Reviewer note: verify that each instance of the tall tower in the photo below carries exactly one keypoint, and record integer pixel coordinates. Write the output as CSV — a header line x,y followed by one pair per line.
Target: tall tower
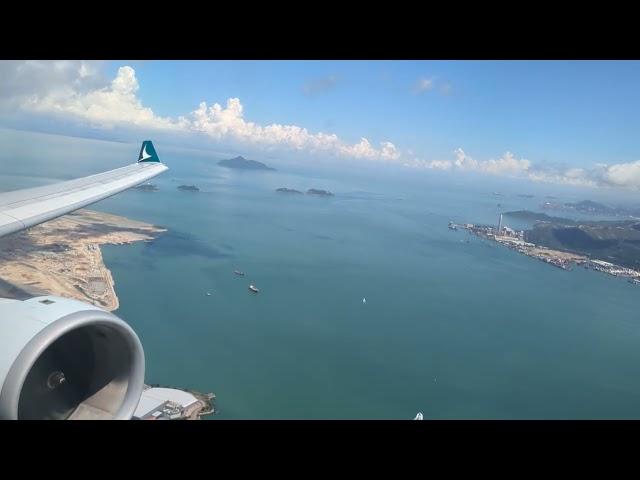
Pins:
x,y
500,224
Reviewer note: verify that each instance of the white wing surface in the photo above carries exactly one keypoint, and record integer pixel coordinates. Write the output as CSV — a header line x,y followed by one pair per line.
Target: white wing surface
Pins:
x,y
22,209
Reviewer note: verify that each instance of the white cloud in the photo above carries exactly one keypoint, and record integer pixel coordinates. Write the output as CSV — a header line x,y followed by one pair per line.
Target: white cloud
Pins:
x,y
77,90
389,151
117,103
228,122
114,104
20,79
601,175
507,164
422,85
623,174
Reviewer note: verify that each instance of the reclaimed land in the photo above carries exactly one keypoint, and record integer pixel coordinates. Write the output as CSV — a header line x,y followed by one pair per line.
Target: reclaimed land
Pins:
x,y
62,257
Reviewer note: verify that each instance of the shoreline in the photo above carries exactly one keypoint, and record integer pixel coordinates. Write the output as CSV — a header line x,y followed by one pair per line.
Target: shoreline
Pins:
x,y
63,257
514,240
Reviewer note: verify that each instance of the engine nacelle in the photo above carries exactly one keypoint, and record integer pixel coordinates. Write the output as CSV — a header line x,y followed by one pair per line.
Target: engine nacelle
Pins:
x,y
65,359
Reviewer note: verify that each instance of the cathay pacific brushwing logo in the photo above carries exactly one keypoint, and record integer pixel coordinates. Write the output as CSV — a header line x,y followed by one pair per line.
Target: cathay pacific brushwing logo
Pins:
x,y
144,154
148,153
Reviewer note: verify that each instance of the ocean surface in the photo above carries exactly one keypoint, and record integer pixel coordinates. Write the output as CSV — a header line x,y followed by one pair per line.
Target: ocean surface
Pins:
x,y
455,330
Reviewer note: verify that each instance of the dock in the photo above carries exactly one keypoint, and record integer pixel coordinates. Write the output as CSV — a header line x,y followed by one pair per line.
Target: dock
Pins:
x,y
170,403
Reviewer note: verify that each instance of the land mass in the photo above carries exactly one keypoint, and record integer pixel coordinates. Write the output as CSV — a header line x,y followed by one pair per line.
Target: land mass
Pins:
x,y
287,190
63,257
590,207
314,191
244,164
615,241
188,188
147,187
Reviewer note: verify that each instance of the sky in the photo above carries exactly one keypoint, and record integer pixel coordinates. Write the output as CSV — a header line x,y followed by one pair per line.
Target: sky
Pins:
x,y
562,122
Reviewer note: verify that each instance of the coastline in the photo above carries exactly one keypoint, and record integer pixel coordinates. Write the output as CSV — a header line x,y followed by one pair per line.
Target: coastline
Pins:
x,y
564,259
63,257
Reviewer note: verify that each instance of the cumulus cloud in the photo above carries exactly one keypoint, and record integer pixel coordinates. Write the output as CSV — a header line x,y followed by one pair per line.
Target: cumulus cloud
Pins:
x,y
76,89
118,104
600,175
114,104
20,79
228,122
507,164
624,174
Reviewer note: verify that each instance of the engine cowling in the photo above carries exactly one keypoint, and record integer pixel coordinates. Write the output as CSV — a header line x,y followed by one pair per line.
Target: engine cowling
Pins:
x,y
65,359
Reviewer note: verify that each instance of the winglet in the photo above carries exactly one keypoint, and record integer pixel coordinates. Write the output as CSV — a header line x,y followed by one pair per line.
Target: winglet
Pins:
x,y
148,153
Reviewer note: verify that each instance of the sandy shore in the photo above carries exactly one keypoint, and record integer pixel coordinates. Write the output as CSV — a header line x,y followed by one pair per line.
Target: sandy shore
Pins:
x,y
63,256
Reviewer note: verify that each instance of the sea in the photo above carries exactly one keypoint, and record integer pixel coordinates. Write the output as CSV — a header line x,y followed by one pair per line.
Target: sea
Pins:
x,y
369,306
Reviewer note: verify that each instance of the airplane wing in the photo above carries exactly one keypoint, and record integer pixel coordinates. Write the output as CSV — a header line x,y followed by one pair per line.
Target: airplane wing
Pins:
x,y
22,209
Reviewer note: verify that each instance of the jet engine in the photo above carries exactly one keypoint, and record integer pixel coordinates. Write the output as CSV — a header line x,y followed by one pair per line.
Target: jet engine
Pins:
x,y
65,359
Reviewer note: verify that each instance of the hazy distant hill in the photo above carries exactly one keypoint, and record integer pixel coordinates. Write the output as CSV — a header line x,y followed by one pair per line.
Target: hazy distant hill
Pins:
x,y
613,241
287,190
244,164
147,187
541,217
593,208
315,191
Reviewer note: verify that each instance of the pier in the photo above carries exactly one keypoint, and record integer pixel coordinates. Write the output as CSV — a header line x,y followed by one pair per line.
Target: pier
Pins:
x,y
170,403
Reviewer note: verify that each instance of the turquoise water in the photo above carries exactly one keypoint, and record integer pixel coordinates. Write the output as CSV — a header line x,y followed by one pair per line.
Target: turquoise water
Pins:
x,y
452,329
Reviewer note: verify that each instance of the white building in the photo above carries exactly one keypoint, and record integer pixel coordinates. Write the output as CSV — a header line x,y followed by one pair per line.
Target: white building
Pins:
x,y
154,400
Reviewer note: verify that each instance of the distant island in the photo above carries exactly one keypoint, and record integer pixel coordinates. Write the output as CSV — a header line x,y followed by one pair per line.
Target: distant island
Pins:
x,y
147,187
288,190
536,216
188,188
592,208
525,195
324,193
242,163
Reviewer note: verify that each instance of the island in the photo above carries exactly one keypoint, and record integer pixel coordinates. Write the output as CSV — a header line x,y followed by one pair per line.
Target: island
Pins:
x,y
242,163
62,257
324,193
147,187
188,188
530,216
287,190
590,207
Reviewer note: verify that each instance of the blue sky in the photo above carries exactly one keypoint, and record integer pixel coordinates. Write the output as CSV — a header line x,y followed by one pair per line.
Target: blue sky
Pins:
x,y
562,121
556,111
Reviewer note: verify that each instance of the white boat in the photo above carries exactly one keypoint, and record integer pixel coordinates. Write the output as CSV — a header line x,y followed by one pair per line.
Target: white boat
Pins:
x,y
418,416
253,289
208,294
364,300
